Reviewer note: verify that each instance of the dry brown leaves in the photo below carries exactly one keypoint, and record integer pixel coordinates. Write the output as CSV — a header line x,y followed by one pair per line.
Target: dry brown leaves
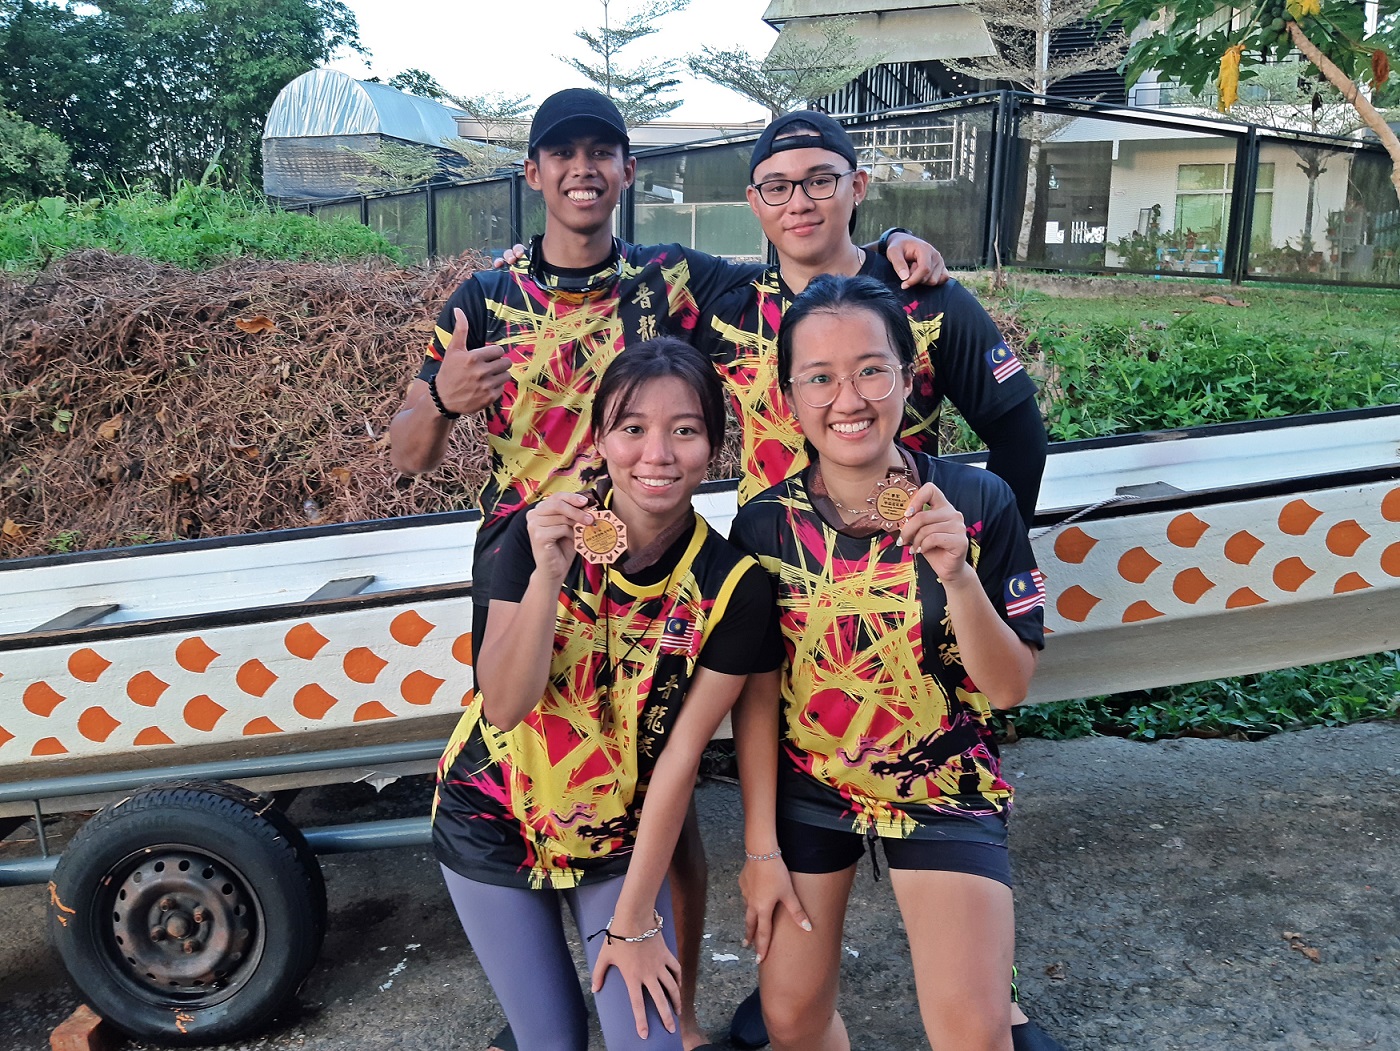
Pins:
x,y
1298,943
144,402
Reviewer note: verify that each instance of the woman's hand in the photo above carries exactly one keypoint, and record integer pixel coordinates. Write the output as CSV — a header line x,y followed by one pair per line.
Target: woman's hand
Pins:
x,y
936,530
645,965
550,524
766,885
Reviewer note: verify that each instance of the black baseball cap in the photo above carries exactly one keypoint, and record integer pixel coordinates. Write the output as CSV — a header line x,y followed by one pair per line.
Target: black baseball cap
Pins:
x,y
780,136
562,110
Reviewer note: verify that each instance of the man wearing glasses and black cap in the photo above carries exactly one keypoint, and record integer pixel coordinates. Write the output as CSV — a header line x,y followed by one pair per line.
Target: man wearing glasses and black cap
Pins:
x,y
805,187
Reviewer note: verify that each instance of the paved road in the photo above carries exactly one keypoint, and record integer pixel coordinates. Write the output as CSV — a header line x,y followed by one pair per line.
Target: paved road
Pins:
x,y
1155,884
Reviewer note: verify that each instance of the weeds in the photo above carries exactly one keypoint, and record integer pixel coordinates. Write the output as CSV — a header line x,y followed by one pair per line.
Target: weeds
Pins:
x,y
1252,706
200,226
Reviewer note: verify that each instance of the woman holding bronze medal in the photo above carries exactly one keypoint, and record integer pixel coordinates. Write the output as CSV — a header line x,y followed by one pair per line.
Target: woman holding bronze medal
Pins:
x,y
620,632
910,606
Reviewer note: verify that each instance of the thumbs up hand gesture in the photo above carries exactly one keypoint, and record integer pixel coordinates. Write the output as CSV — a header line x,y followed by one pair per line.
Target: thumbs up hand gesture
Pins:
x,y
470,380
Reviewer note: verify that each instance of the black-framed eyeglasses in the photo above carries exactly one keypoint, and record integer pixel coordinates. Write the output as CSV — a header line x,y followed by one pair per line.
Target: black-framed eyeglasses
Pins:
x,y
871,382
816,187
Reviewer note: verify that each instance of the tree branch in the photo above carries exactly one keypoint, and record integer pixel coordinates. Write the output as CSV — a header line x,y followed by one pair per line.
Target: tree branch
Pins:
x,y
1351,91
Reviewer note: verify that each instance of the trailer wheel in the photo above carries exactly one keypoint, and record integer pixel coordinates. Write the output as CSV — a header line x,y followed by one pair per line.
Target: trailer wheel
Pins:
x,y
188,914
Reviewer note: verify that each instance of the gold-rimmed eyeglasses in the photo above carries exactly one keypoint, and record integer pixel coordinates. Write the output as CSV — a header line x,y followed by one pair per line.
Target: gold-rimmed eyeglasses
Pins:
x,y
871,382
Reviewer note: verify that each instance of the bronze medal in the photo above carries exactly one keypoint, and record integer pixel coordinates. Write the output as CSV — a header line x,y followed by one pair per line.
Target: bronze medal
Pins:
x,y
603,540
890,500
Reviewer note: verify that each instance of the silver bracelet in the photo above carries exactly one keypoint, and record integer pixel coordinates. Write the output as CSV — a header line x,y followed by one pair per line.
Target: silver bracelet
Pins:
x,y
610,937
764,857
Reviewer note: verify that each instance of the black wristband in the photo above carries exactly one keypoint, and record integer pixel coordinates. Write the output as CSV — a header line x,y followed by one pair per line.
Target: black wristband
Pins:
x,y
437,400
882,248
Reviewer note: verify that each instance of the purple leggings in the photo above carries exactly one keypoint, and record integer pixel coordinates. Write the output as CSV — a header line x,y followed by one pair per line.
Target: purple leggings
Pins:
x,y
518,935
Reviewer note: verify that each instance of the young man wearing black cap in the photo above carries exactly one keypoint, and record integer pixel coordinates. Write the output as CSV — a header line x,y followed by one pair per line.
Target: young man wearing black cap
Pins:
x,y
805,184
805,187
527,345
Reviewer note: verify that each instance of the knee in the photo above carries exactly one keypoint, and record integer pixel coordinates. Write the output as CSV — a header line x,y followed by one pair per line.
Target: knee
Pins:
x,y
961,1027
796,1021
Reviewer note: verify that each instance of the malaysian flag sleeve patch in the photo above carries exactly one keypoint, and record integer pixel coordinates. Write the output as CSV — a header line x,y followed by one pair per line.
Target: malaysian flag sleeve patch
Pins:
x,y
1025,592
1003,361
678,636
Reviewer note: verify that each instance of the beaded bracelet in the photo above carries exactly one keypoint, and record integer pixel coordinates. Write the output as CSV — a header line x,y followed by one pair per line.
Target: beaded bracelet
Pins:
x,y
437,400
764,857
610,937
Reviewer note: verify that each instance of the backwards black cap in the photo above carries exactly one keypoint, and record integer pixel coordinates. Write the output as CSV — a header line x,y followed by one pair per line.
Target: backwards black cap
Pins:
x,y
563,109
780,136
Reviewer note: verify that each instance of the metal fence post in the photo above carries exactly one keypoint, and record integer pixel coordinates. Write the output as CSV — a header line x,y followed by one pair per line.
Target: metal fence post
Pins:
x,y
1003,144
517,209
432,237
1236,265
627,215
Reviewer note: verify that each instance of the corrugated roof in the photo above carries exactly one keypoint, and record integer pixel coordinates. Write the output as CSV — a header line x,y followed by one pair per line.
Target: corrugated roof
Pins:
x,y
327,102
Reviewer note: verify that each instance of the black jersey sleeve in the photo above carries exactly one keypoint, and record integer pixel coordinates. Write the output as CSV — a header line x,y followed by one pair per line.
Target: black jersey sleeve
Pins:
x,y
513,561
739,644
754,533
1016,443
1007,567
471,299
711,278
970,361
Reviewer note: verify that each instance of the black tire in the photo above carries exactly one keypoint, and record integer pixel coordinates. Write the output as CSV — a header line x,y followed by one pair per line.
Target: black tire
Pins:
x,y
188,914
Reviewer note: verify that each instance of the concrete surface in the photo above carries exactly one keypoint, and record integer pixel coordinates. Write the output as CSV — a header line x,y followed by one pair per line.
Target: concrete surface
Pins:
x,y
1155,884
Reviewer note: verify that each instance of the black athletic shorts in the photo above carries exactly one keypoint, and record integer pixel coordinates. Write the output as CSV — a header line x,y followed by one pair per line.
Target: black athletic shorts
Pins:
x,y
814,849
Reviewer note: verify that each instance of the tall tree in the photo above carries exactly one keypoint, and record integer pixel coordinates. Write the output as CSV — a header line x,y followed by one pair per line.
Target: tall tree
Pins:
x,y
1021,32
1291,95
1194,41
63,71
418,82
160,89
641,91
792,74
504,131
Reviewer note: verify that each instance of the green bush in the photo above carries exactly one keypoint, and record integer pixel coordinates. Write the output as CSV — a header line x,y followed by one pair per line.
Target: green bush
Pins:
x,y
200,226
33,160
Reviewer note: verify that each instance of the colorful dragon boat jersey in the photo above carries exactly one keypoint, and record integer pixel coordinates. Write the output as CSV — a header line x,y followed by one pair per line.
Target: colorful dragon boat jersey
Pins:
x,y
961,356
559,343
882,728
555,801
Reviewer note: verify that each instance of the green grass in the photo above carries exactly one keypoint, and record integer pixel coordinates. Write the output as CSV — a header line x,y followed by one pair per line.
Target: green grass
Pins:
x,y
200,226
1138,363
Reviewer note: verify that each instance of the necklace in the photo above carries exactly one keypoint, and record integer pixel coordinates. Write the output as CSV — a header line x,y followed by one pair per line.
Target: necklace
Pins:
x,y
607,673
848,510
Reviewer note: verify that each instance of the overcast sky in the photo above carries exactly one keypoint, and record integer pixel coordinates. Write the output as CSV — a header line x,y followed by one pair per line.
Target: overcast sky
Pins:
x,y
477,46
